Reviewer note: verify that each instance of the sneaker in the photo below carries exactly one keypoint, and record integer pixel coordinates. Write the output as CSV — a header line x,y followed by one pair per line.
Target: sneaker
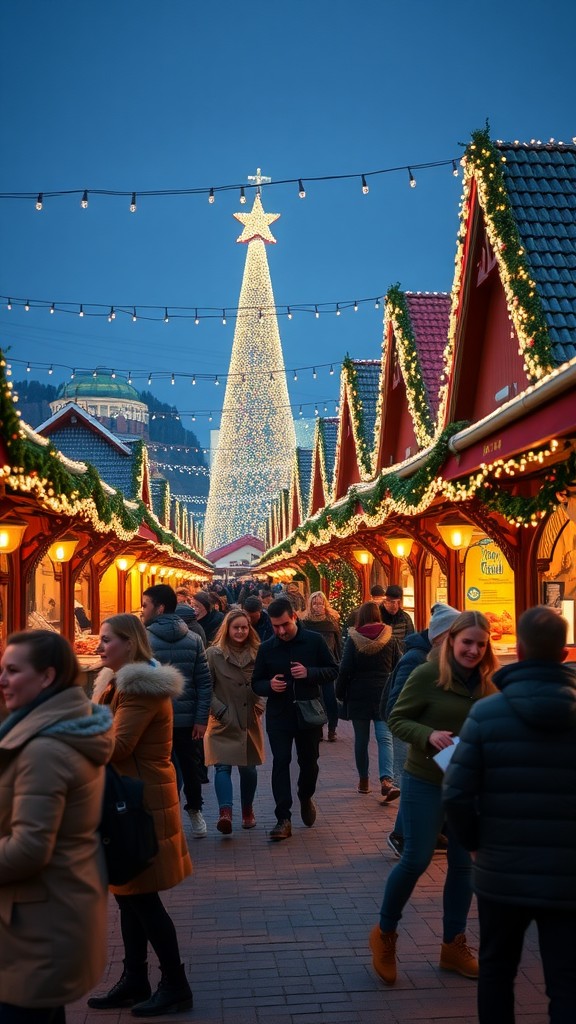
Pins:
x,y
364,786
396,843
308,812
457,956
199,826
281,830
390,791
383,946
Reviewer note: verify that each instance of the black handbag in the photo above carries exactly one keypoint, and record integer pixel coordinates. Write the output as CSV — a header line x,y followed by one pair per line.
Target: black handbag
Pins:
x,y
126,828
311,713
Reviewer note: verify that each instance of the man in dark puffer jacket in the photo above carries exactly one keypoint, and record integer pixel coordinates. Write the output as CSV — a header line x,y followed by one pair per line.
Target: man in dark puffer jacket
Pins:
x,y
172,643
510,794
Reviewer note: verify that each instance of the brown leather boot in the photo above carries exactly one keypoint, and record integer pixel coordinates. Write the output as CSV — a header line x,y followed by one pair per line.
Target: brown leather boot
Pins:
x,y
224,823
364,785
457,956
383,946
248,817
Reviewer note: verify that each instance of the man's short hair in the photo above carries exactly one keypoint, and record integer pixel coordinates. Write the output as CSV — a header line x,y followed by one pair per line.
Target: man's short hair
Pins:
x,y
182,592
394,592
542,634
252,604
162,593
278,607
377,590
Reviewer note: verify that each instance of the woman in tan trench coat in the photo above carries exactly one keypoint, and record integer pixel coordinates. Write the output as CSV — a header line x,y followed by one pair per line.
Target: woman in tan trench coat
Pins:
x,y
53,893
234,734
139,692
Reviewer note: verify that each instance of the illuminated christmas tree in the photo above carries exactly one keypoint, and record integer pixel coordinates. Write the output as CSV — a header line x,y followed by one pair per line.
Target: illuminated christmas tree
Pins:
x,y
256,445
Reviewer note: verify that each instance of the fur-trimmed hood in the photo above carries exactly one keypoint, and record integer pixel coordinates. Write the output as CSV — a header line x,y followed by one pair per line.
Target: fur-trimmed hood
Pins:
x,y
139,677
364,645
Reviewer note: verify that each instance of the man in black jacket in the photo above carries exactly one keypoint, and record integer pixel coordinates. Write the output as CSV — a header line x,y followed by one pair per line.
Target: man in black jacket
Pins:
x,y
291,666
510,795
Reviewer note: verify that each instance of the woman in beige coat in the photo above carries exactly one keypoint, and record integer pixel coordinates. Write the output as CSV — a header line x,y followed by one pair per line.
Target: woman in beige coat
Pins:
x,y
53,894
140,691
234,734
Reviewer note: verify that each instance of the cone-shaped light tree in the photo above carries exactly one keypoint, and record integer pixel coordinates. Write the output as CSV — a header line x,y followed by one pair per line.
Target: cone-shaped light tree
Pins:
x,y
256,445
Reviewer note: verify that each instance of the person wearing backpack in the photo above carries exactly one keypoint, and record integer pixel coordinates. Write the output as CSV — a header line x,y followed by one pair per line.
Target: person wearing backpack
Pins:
x,y
140,692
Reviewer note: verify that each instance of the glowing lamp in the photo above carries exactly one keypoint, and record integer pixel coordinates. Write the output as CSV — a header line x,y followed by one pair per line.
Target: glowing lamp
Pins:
x,y
62,550
455,535
142,566
400,546
11,535
362,556
124,563
153,570
170,573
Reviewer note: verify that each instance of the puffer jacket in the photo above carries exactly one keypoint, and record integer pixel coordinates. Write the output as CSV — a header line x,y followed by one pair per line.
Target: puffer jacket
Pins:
x,y
53,890
364,669
172,643
510,789
140,697
417,647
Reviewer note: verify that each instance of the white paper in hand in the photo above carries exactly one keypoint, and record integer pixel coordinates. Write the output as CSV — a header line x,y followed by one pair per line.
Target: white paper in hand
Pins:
x,y
443,757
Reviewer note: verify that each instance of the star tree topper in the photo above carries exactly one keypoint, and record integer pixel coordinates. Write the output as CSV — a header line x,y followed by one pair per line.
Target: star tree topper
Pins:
x,y
256,224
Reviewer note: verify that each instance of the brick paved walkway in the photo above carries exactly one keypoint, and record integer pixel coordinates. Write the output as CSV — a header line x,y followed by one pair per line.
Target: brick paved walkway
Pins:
x,y
277,932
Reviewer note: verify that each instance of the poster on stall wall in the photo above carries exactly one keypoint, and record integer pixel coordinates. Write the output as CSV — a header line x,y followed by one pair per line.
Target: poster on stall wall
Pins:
x,y
489,588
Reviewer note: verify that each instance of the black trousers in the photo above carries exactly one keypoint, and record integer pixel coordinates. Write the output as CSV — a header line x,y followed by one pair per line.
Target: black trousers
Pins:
x,y
188,757
10,1014
502,929
307,742
144,919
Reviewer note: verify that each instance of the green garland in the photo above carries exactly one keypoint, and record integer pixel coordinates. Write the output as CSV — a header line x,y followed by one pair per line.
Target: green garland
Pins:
x,y
397,309
357,410
343,591
487,159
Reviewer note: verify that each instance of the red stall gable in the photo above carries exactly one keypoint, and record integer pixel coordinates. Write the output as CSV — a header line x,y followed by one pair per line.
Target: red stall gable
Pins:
x,y
323,457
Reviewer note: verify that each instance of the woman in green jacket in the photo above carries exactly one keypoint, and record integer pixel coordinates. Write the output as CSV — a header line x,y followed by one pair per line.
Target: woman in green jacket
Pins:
x,y
428,715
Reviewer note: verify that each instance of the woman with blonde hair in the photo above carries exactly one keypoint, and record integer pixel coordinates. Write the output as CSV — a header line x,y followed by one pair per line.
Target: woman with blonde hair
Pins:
x,y
139,691
429,714
321,618
234,735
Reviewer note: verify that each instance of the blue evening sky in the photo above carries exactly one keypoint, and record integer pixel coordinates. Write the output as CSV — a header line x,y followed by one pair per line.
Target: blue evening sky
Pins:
x,y
149,95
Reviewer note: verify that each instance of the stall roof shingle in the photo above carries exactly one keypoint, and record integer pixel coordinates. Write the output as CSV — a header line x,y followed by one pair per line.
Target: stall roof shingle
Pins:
x,y
368,378
429,316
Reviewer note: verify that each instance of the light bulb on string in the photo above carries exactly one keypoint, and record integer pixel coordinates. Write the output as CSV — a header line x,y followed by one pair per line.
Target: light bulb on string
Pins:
x,y
314,374
81,310
94,374
84,200
301,189
50,370
193,417
224,317
454,169
129,376
149,379
134,317
52,308
39,201
315,410
331,370
196,317
295,375
338,310
242,195
27,305
316,313
166,317
411,179
216,381
172,381
365,189
289,312
133,203
193,380
377,304
27,367
300,411
113,375
9,304
211,196
210,417
355,305
112,314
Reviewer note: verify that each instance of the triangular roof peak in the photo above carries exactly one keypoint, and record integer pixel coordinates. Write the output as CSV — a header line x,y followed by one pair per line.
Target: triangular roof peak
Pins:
x,y
73,413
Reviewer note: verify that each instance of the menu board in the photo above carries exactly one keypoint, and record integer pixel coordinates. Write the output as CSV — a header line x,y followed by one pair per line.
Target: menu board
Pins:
x,y
489,588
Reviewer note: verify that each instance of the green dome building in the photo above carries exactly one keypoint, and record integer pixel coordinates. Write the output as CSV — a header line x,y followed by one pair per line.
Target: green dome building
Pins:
x,y
107,397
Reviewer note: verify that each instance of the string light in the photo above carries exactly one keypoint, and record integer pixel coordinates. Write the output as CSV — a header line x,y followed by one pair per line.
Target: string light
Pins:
x,y
149,379
9,304
338,310
196,317
454,169
133,203
129,377
411,179
216,381
50,370
84,200
288,309
39,201
81,310
355,306
52,308
242,195
377,304
365,189
295,375
331,370
172,381
112,314
134,317
211,196
314,374
27,305
224,317
316,313
193,381
166,317
113,375
301,189
27,367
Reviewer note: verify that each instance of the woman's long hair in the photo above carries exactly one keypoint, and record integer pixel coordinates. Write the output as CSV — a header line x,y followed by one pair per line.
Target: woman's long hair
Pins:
x,y
329,612
222,638
128,627
47,649
368,613
489,663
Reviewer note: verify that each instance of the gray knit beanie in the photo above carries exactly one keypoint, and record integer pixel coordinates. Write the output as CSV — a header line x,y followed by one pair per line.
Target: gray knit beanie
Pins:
x,y
442,617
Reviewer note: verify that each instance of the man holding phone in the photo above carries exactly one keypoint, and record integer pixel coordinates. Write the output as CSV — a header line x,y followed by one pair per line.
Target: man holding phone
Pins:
x,y
290,666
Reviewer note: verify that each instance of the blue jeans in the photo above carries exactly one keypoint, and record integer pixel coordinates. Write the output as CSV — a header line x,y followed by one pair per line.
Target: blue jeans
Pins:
x,y
422,820
385,752
223,784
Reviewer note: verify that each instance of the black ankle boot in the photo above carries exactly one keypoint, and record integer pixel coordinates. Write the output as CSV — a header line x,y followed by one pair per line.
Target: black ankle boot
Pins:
x,y
172,995
132,987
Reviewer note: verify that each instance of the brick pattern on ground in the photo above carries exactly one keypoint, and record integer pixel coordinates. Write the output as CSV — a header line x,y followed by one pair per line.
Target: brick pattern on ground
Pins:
x,y
278,932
